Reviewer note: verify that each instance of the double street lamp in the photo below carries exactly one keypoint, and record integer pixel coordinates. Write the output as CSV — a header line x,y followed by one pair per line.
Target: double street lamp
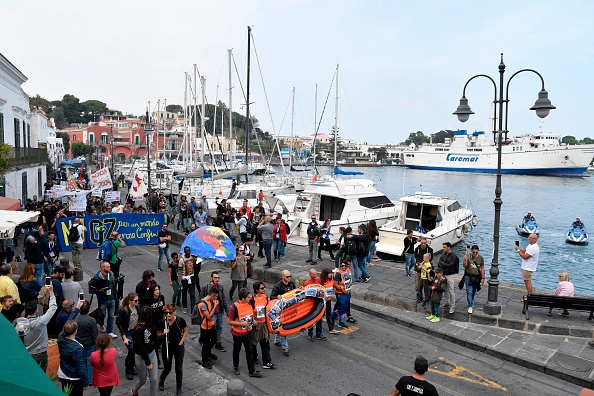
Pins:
x,y
148,132
542,107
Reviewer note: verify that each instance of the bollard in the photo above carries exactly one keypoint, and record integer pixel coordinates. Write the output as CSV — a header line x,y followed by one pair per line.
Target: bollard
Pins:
x,y
78,275
235,387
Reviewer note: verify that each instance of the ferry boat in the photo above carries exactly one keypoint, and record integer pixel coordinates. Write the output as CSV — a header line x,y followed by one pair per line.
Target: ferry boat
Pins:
x,y
532,154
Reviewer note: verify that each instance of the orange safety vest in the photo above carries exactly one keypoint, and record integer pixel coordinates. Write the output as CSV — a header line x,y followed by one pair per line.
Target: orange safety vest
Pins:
x,y
329,289
206,323
346,280
260,302
245,313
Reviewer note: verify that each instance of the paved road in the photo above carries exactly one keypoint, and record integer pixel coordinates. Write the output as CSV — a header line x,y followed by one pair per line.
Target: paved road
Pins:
x,y
366,359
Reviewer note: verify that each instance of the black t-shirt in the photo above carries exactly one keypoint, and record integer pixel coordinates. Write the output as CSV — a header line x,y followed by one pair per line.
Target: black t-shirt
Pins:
x,y
410,386
176,330
163,234
173,267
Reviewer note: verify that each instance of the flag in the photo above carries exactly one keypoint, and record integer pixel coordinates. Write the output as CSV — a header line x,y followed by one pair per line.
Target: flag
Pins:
x,y
315,176
138,187
70,181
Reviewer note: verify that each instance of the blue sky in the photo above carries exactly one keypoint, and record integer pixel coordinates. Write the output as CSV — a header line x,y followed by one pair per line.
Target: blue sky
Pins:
x,y
403,64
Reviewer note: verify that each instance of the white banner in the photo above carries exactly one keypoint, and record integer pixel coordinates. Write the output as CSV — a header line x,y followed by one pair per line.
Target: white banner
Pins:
x,y
140,198
96,192
56,187
196,191
138,187
112,196
102,179
77,203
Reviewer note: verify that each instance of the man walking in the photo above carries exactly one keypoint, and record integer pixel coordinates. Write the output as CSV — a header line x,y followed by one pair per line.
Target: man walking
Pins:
x,y
114,260
529,261
474,274
409,252
107,295
411,385
281,287
266,228
77,245
164,238
215,277
450,264
313,239
314,280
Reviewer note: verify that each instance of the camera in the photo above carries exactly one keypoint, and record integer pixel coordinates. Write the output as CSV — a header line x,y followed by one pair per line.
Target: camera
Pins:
x,y
18,259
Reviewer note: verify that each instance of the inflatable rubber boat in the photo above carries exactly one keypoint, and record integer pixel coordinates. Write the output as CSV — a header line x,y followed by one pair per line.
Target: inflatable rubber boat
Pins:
x,y
296,310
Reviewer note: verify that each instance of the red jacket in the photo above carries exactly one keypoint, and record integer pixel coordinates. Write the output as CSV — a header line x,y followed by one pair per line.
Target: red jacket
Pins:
x,y
282,230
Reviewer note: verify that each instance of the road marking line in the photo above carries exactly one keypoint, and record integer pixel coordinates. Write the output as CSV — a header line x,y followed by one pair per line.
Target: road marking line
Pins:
x,y
390,366
459,371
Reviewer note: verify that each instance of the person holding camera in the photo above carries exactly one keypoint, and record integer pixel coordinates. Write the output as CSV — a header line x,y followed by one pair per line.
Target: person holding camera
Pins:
x,y
474,274
115,261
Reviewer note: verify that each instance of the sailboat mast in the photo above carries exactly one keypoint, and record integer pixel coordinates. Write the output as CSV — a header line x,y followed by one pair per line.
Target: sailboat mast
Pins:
x,y
164,132
195,108
247,111
336,119
315,126
231,153
292,131
186,117
203,110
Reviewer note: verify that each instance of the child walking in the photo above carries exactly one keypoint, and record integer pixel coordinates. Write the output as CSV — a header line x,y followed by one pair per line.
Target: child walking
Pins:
x,y
437,288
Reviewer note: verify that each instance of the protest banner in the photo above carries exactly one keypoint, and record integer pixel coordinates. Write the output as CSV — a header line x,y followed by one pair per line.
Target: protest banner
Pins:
x,y
134,228
196,191
112,196
96,192
77,203
102,179
138,187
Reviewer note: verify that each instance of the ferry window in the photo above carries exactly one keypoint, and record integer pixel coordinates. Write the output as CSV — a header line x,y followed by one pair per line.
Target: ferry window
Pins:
x,y
454,206
331,207
376,202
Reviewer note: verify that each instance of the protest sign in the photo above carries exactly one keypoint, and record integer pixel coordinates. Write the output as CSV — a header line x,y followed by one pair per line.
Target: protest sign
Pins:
x,y
134,228
102,179
112,196
96,192
77,203
138,187
196,191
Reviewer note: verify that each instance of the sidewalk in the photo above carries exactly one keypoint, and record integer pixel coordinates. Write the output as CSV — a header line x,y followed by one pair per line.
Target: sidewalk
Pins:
x,y
555,345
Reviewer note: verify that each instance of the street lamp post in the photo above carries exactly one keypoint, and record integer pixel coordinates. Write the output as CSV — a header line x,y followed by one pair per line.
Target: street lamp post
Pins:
x,y
542,107
111,150
148,132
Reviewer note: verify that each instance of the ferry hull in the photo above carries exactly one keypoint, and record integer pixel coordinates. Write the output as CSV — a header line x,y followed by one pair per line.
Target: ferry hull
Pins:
x,y
565,172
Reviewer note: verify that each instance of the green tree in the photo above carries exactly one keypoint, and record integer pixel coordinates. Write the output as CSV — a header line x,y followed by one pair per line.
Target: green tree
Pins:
x,y
381,153
79,149
569,140
38,102
5,160
588,140
93,108
58,115
173,108
66,140
73,110
440,136
418,138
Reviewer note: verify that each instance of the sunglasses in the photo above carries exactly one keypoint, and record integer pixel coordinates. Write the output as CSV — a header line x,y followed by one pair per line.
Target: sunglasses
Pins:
x,y
134,300
263,287
288,276
168,313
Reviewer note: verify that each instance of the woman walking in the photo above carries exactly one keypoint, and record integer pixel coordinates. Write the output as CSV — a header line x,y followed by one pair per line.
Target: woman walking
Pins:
x,y
325,235
105,371
327,281
127,319
260,329
238,271
145,341
373,234
241,317
174,331
172,273
156,302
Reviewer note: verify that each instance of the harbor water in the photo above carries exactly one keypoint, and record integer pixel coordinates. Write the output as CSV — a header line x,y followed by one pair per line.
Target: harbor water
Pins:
x,y
554,202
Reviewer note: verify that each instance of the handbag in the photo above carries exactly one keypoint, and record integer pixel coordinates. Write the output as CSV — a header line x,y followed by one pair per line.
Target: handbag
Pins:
x,y
162,245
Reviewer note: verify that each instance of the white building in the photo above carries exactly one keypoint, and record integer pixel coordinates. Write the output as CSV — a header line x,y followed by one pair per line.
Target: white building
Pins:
x,y
28,173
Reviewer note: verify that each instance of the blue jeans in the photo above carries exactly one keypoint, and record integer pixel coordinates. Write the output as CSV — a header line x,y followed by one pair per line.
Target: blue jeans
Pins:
x,y
218,318
318,329
371,251
277,245
329,315
410,260
267,245
282,249
283,340
435,308
108,308
164,252
341,307
363,267
355,265
88,351
470,291
186,221
39,273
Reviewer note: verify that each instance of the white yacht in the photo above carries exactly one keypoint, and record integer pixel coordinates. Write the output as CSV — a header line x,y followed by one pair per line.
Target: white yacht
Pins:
x,y
348,202
440,219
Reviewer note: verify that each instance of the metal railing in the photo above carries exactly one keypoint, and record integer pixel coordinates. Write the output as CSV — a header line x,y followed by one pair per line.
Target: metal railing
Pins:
x,y
26,156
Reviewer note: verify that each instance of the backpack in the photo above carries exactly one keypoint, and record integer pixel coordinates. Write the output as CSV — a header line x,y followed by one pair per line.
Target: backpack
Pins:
x,y
351,247
106,251
249,228
287,228
196,317
73,234
361,249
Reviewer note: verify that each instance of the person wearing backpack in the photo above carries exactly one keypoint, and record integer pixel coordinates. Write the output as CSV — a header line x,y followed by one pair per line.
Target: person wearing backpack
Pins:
x,y
313,239
363,242
115,243
208,331
75,236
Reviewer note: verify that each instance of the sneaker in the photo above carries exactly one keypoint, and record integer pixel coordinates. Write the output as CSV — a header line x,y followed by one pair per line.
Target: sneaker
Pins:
x,y
161,385
277,343
321,338
311,338
129,376
236,370
112,335
430,317
425,304
343,325
180,393
220,347
321,259
207,365
334,331
469,310
351,320
270,366
185,310
256,374
160,269
286,351
134,393
308,261
435,319
452,310
314,262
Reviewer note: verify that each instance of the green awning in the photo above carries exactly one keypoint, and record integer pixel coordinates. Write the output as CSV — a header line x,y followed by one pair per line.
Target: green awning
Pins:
x,y
21,375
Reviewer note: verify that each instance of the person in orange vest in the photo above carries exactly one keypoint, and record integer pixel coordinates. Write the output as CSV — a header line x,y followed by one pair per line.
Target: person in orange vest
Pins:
x,y
208,331
343,281
260,330
328,283
241,318
314,280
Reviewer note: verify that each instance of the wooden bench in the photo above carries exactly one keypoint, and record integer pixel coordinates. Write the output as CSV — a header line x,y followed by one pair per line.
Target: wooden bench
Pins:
x,y
552,301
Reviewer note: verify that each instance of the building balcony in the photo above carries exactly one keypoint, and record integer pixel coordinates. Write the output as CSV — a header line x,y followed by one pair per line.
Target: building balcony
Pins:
x,y
23,156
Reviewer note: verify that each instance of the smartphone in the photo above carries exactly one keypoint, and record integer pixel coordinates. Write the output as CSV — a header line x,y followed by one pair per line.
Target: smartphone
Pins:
x,y
48,280
518,243
81,296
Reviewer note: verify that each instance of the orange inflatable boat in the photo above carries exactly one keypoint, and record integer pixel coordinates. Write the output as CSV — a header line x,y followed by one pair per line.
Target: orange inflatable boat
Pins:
x,y
296,310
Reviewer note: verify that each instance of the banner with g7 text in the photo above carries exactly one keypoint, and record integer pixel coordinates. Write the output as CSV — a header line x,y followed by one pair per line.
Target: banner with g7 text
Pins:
x,y
134,228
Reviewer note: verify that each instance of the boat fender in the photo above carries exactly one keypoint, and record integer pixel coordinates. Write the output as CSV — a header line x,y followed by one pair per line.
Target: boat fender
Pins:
x,y
465,229
474,221
458,233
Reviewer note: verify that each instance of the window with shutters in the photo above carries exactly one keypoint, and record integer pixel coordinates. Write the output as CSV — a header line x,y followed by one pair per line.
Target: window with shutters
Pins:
x,y
17,133
1,128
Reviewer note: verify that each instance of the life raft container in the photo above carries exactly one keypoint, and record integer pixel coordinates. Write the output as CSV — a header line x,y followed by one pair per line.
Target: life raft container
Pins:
x,y
296,310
